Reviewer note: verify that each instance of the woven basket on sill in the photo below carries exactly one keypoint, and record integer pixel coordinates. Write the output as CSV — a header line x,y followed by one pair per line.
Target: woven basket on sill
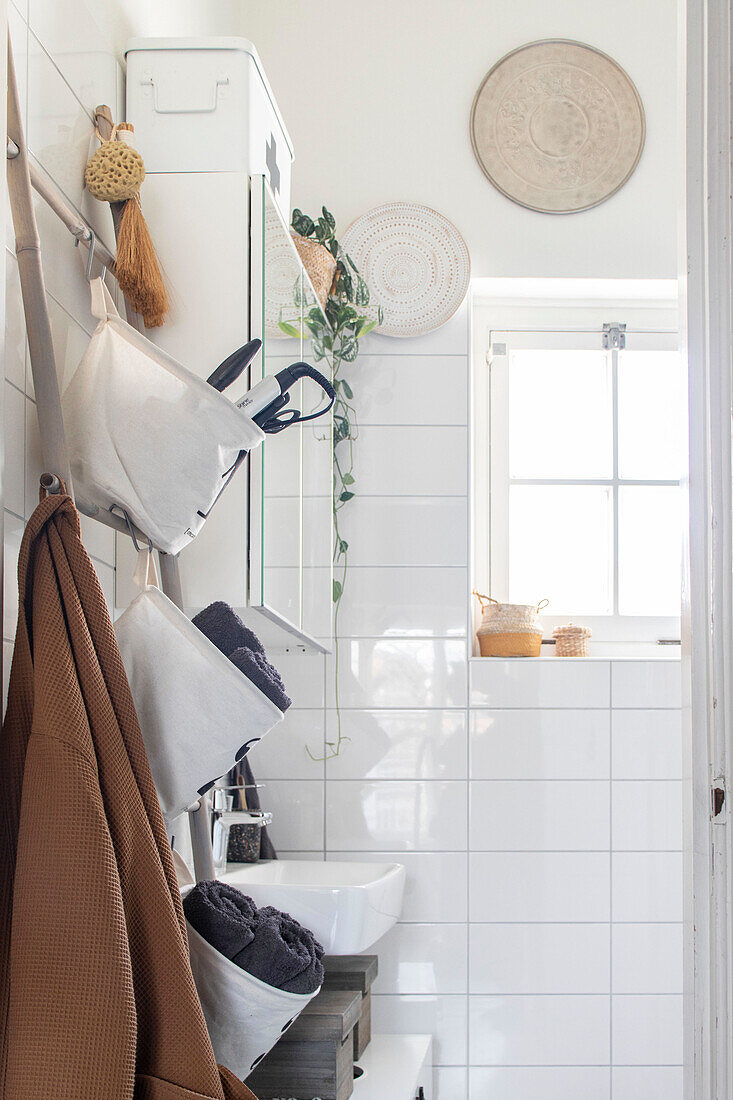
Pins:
x,y
319,263
572,641
509,629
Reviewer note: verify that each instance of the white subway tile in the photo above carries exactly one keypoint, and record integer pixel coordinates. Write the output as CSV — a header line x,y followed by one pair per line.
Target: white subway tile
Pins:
x,y
395,815
406,531
106,576
647,816
548,1031
647,1030
14,325
410,389
539,744
452,338
288,751
422,958
399,744
647,1083
70,341
7,661
14,436
539,958
13,537
98,540
78,47
399,672
646,684
436,886
647,886
445,1018
646,744
539,815
540,682
450,1083
647,958
540,1082
421,601
393,461
297,809
33,460
302,675
539,886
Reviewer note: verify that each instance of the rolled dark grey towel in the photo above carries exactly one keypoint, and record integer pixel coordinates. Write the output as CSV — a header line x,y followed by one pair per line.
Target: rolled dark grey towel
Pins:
x,y
270,945
264,675
283,953
221,915
222,626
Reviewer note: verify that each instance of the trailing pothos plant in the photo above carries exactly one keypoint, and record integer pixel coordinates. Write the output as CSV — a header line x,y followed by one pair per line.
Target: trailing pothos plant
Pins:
x,y
335,334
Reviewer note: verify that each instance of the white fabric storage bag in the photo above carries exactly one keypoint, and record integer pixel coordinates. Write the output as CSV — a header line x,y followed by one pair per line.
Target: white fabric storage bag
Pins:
x,y
146,433
197,710
245,1017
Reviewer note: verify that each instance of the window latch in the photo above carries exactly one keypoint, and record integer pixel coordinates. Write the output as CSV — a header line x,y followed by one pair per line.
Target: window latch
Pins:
x,y
718,797
614,336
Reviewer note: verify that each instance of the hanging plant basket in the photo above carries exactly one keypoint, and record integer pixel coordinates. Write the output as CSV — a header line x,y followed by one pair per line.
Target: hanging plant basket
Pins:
x,y
319,263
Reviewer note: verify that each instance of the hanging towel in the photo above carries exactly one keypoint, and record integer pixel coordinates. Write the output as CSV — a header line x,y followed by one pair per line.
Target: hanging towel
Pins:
x,y
96,993
270,945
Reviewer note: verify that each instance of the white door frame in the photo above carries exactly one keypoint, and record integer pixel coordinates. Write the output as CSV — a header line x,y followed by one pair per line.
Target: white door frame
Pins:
x,y
706,288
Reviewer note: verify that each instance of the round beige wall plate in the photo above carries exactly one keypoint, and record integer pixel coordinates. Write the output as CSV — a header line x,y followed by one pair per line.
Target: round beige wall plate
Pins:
x,y
415,263
557,126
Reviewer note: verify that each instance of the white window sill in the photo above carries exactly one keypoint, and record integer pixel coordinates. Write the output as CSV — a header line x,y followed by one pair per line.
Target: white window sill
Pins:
x,y
604,651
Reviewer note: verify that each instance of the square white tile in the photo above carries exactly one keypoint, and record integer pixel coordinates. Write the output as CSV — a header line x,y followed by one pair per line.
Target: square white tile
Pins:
x,y
406,531
399,672
542,1082
647,886
389,385
647,815
99,541
539,744
646,684
426,601
539,886
287,752
450,1083
13,537
399,744
436,886
14,435
422,958
445,1018
413,460
302,673
14,325
646,744
7,661
549,1031
395,815
33,460
647,958
79,48
452,338
297,809
647,1083
540,815
539,958
541,682
647,1030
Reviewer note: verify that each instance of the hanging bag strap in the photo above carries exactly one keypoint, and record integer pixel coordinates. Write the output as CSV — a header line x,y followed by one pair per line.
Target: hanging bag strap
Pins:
x,y
145,575
103,305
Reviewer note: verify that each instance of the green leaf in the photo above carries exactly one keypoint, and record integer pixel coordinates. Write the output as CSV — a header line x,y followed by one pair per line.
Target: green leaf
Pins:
x,y
348,479
351,263
337,590
289,330
361,294
349,350
334,247
343,546
347,389
366,327
328,217
346,495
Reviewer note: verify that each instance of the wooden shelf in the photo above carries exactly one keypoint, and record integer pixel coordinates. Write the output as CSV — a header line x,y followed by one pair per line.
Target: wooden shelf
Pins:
x,y
395,1066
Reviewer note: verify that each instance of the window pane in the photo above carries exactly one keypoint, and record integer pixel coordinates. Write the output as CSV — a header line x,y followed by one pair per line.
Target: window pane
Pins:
x,y
649,550
651,431
560,539
560,414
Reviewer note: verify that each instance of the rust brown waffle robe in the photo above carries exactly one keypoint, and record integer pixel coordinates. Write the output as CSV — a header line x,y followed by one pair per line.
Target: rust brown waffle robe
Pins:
x,y
98,1000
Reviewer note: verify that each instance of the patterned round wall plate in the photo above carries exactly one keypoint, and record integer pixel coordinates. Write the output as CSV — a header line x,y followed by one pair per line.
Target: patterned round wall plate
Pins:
x,y
557,126
415,263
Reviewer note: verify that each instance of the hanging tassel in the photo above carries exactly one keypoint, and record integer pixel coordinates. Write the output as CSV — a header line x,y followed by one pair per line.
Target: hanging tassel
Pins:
x,y
138,270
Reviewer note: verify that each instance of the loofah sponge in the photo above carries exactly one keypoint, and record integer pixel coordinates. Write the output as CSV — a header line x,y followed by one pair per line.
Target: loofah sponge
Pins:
x,y
115,172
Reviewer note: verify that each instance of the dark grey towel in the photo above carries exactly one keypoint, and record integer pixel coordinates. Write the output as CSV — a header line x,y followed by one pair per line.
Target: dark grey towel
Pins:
x,y
268,944
222,626
262,674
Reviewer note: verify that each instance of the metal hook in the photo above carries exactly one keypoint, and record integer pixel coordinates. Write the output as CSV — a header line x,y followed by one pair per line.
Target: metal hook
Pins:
x,y
130,528
90,258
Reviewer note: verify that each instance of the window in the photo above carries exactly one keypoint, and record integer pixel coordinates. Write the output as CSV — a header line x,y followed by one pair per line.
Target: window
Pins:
x,y
586,448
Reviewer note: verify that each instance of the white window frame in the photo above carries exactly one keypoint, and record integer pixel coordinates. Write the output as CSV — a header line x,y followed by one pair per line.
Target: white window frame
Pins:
x,y
551,324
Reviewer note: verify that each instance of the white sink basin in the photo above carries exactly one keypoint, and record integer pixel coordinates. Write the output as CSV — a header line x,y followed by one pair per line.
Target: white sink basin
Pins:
x,y
347,906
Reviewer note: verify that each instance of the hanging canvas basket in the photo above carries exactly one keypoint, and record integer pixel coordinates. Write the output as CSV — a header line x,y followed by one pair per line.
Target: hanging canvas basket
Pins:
x,y
509,629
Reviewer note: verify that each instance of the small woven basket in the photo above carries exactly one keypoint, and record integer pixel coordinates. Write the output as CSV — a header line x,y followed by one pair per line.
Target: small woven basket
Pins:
x,y
319,263
509,629
572,641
